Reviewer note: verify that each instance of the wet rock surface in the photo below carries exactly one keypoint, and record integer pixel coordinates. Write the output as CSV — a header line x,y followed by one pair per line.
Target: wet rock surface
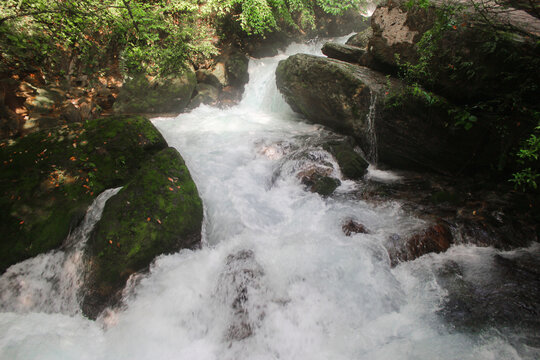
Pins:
x,y
500,292
457,211
143,94
360,39
434,239
228,75
238,286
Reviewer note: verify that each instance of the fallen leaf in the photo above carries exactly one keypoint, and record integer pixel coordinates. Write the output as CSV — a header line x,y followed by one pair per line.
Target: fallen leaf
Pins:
x,y
159,221
147,219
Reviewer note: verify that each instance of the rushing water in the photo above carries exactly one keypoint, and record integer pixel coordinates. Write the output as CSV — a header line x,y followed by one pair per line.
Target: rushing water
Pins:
x,y
276,277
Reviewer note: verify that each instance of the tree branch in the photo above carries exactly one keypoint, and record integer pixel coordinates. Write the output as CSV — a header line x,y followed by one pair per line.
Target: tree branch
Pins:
x,y
131,16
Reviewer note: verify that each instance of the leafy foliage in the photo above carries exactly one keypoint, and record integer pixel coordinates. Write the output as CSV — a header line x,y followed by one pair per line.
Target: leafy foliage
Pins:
x,y
259,17
153,36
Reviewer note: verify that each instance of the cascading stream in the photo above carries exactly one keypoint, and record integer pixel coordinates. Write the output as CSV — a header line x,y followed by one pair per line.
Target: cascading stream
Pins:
x,y
50,282
277,278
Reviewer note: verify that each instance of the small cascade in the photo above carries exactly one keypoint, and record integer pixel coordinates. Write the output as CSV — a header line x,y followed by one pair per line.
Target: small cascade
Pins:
x,y
49,282
372,131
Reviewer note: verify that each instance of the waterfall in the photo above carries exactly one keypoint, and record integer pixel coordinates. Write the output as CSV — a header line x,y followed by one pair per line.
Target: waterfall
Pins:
x,y
50,282
277,278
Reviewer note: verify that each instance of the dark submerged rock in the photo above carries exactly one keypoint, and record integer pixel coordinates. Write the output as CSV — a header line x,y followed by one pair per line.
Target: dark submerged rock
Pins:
x,y
434,239
49,178
504,297
350,227
238,282
317,179
351,164
158,212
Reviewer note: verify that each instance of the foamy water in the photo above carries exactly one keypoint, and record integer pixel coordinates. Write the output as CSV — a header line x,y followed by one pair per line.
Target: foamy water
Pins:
x,y
276,277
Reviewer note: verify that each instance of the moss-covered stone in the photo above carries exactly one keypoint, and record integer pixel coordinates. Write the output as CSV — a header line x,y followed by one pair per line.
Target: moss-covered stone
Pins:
x,y
140,94
48,178
352,165
158,212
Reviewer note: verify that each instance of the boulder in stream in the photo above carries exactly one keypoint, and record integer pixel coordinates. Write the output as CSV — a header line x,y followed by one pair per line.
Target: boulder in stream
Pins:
x,y
158,212
393,124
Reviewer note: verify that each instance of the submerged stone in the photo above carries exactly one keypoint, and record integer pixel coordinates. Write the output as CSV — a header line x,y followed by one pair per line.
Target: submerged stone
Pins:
x,y
351,164
158,212
434,239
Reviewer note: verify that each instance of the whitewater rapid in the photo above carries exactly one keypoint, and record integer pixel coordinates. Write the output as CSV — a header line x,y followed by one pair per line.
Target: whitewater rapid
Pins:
x,y
276,277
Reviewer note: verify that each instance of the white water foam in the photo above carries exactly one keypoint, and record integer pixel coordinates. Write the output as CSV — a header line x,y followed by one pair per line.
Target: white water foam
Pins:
x,y
305,291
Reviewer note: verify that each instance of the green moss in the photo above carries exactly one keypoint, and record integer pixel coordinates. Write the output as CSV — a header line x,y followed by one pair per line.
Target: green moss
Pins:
x,y
49,178
158,212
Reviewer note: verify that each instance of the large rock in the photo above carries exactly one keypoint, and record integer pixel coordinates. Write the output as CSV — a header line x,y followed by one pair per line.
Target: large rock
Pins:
x,y
49,178
393,125
158,212
477,54
141,94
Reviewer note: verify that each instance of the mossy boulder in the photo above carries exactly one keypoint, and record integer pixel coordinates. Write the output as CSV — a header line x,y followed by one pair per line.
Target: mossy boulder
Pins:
x,y
158,212
142,94
49,178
